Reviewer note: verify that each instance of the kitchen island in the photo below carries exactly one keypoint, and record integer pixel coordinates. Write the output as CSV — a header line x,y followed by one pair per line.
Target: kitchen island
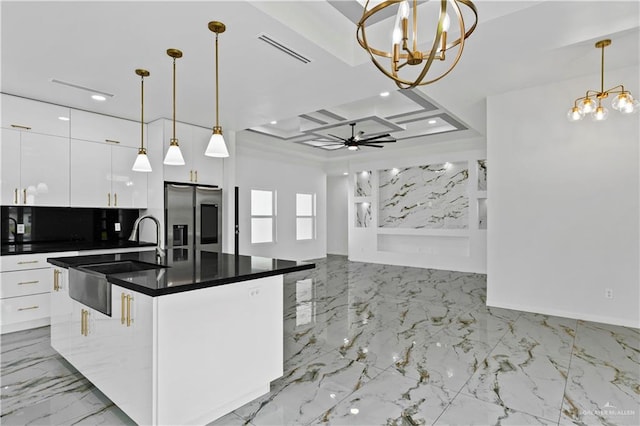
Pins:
x,y
188,340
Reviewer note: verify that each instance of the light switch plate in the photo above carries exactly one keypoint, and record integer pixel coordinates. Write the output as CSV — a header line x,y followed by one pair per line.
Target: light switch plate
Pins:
x,y
20,229
117,226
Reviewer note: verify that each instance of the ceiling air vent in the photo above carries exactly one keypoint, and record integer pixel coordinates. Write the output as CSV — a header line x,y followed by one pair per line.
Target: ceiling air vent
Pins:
x,y
281,47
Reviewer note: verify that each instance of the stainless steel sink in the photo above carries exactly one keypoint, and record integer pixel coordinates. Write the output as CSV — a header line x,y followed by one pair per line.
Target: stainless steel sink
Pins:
x,y
88,283
120,267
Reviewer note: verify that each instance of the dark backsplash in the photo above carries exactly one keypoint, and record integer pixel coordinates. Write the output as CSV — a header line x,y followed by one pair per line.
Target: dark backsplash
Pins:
x,y
60,224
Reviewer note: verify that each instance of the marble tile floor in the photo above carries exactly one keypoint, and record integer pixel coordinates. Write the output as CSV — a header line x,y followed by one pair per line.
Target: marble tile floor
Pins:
x,y
369,344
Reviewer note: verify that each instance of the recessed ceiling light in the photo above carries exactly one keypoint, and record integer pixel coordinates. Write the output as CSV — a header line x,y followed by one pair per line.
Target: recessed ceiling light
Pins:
x,y
346,173
63,118
384,94
98,98
431,121
274,122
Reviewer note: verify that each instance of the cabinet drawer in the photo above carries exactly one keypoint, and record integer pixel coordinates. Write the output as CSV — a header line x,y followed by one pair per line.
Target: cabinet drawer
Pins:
x,y
38,117
23,262
103,128
26,308
24,283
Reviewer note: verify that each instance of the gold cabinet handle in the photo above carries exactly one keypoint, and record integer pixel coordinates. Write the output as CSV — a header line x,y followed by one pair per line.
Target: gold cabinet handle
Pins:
x,y
56,284
129,319
28,282
82,322
108,199
190,175
15,196
30,307
18,126
26,262
24,196
196,173
111,141
115,199
122,308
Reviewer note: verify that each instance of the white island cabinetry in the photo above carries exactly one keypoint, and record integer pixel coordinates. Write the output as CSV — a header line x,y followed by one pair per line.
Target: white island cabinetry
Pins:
x,y
183,358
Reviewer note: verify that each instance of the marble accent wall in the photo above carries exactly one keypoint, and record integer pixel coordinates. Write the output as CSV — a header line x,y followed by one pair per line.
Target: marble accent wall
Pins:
x,y
363,184
363,215
431,196
482,175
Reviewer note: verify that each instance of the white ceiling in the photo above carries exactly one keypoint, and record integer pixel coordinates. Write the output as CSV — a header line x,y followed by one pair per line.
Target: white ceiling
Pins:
x,y
99,45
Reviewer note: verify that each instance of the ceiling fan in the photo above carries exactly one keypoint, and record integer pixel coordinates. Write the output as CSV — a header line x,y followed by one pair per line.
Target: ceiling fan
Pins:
x,y
356,141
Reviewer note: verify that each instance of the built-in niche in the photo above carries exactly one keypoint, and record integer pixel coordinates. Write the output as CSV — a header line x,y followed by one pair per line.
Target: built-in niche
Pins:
x,y
482,175
363,215
482,213
363,184
432,196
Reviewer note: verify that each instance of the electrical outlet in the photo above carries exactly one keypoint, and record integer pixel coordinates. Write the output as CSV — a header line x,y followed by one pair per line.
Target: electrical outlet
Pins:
x,y
20,228
117,227
608,293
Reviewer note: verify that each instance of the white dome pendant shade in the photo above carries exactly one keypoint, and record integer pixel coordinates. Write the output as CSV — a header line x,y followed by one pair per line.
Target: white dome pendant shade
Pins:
x,y
174,155
142,163
217,146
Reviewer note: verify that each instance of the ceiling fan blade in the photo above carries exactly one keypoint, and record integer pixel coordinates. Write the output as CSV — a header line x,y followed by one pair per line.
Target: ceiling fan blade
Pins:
x,y
374,138
389,141
332,144
337,137
371,145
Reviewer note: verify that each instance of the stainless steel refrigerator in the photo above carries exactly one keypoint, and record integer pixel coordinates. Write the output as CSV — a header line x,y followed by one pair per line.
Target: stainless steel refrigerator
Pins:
x,y
193,216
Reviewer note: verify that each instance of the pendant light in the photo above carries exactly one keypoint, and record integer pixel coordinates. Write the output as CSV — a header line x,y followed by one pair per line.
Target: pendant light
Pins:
x,y
174,155
217,147
142,163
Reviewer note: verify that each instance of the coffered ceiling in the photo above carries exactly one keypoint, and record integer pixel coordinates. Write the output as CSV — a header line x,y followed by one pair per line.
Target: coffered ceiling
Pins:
x,y
297,63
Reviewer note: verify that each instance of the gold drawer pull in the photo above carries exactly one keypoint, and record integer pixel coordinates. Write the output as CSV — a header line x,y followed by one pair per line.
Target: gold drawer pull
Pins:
x,y
18,126
129,319
28,282
111,141
26,262
30,307
122,308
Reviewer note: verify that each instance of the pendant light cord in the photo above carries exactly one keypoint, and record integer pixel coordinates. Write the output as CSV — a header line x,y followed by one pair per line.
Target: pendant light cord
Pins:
x,y
217,93
174,98
142,111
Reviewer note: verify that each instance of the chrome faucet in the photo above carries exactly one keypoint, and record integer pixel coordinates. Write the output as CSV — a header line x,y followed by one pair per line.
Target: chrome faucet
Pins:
x,y
136,226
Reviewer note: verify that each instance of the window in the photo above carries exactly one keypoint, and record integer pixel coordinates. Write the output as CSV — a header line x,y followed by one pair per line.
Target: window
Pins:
x,y
262,216
305,216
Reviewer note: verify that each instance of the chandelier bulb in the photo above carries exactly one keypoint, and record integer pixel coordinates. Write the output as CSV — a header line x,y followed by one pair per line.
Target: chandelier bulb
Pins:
x,y
600,114
587,106
574,114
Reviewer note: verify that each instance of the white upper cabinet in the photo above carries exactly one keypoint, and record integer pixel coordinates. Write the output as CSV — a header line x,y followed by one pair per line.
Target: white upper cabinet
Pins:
x,y
129,187
193,142
33,116
103,128
10,163
101,176
35,169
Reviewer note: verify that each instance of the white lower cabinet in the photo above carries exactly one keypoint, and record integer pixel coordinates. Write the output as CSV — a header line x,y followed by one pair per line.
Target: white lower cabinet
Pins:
x,y
61,311
175,359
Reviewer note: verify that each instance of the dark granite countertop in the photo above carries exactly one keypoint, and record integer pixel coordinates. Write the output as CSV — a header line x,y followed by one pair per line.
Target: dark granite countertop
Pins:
x,y
60,246
186,269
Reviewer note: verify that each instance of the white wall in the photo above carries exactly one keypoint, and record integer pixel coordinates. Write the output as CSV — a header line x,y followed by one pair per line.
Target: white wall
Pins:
x,y
337,215
447,249
563,220
259,169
